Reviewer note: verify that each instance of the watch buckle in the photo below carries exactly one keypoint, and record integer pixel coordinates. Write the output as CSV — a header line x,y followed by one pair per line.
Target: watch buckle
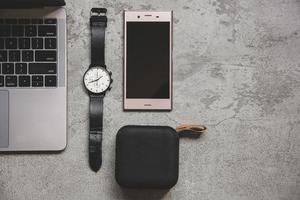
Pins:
x,y
98,17
98,12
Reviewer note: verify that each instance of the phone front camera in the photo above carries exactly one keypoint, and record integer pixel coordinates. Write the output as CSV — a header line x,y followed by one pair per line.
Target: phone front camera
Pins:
x,y
138,16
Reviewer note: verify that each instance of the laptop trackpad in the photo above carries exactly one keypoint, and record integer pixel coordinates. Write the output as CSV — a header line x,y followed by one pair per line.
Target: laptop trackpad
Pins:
x,y
4,114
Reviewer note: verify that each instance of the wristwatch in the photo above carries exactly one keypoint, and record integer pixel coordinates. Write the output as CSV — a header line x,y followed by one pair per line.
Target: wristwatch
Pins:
x,y
97,81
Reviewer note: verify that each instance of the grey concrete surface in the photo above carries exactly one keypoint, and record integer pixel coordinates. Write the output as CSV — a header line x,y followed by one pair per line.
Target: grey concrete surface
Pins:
x,y
236,70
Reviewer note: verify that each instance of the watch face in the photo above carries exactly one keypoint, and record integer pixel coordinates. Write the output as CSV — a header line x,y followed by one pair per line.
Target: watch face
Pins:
x,y
96,80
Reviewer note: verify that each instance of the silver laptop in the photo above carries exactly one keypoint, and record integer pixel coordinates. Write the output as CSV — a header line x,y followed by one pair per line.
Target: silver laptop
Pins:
x,y
33,75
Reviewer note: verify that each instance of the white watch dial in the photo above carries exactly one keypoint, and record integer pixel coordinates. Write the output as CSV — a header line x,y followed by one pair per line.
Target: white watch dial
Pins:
x,y
97,80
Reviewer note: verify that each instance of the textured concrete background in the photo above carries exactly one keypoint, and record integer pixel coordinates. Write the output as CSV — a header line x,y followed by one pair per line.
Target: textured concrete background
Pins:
x,y
236,69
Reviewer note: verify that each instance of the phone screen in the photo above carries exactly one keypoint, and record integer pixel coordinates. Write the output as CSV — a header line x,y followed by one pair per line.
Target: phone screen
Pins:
x,y
148,60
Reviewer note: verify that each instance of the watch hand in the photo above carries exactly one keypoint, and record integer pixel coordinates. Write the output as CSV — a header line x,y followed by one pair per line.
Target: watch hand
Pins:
x,y
96,80
93,81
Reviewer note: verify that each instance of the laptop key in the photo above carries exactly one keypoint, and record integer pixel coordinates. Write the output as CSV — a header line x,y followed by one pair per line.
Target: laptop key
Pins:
x,y
47,31
11,81
3,56
21,68
24,43
1,81
42,68
11,43
37,84
27,56
45,56
8,68
37,43
24,81
30,31
1,43
24,21
37,21
37,78
50,21
17,31
37,81
5,31
11,21
50,43
14,56
50,81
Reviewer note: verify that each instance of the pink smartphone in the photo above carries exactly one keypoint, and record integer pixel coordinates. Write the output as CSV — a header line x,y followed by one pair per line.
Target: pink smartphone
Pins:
x,y
148,61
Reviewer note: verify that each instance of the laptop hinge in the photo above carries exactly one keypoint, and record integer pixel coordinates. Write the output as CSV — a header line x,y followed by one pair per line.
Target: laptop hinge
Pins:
x,y
6,4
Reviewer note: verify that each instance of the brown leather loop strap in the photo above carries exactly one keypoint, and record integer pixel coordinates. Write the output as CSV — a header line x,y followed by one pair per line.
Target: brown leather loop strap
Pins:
x,y
195,129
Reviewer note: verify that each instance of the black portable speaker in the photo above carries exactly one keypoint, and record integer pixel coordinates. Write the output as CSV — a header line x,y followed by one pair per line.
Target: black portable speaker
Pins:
x,y
147,157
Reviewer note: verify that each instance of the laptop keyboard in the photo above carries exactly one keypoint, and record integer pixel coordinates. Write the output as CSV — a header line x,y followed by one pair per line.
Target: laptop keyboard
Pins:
x,y
28,53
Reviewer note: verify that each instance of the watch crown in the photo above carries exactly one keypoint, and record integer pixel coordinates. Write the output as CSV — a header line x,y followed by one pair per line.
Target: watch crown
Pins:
x,y
109,89
112,80
110,73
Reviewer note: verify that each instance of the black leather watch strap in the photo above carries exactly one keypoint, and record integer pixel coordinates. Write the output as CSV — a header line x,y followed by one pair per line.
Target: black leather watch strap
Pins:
x,y
95,135
98,23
